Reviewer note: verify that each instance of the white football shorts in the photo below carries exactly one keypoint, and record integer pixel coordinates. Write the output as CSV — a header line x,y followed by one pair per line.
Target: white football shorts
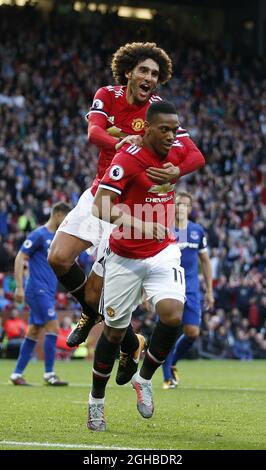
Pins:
x,y
80,223
161,276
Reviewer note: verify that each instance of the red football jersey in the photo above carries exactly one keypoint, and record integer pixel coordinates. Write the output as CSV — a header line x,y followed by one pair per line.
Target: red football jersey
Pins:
x,y
143,199
110,102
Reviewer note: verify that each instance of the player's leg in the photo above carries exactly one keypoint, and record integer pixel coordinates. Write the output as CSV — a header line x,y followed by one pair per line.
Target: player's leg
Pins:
x,y
165,287
131,348
104,358
49,348
185,342
191,321
79,231
92,295
28,344
131,345
64,250
122,289
162,341
167,368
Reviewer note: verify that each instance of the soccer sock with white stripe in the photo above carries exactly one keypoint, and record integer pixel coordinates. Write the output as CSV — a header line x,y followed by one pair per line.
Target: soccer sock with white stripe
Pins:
x,y
162,341
104,358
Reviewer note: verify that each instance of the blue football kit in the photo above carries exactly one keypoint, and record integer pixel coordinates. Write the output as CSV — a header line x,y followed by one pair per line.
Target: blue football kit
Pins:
x,y
40,290
191,242
42,283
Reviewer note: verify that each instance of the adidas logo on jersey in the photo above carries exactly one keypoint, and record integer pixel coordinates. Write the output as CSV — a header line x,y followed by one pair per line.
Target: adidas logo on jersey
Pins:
x,y
133,149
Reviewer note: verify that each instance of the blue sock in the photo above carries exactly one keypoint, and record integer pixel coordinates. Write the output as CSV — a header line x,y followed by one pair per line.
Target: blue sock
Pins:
x,y
182,345
167,372
49,351
25,354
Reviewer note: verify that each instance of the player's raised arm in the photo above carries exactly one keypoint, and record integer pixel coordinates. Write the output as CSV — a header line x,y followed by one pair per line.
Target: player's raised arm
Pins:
x,y
98,133
98,121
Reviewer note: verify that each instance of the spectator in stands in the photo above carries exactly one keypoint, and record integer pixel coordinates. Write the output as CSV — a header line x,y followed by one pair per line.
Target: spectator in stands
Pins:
x,y
242,346
26,222
15,330
4,229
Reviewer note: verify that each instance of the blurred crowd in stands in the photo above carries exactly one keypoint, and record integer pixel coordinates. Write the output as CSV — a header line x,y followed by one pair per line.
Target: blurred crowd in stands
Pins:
x,y
48,76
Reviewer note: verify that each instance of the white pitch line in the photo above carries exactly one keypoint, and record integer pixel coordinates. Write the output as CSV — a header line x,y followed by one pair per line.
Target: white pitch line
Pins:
x,y
231,389
181,387
80,402
65,446
186,387
71,385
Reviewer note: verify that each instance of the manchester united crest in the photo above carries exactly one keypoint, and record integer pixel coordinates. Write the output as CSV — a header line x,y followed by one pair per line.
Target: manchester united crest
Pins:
x,y
137,124
110,312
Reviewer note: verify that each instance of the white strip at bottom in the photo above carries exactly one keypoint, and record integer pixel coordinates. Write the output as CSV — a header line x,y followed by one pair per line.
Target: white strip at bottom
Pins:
x,y
65,446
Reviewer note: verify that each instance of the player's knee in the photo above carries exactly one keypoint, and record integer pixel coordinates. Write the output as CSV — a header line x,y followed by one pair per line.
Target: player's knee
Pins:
x,y
170,312
33,332
52,327
53,330
173,319
57,258
93,289
114,335
92,297
191,331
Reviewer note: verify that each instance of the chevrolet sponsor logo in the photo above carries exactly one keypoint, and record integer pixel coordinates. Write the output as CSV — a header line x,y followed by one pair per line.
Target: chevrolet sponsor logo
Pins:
x,y
159,199
161,189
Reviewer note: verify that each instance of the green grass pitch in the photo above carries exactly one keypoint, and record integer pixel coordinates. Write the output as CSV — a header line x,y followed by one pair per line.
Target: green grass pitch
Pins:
x,y
219,405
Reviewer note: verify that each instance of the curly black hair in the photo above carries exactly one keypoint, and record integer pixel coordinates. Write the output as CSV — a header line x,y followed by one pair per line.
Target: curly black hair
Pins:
x,y
131,54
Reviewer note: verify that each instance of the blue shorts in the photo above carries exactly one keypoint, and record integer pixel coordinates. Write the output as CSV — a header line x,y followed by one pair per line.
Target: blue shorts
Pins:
x,y
42,308
192,310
